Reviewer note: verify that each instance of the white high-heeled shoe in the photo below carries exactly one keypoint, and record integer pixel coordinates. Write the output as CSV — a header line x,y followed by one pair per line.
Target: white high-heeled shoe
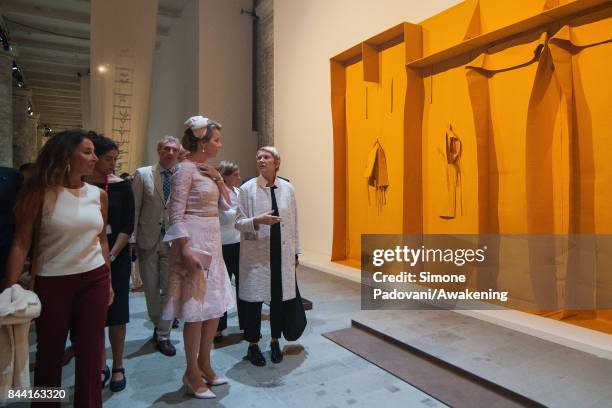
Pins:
x,y
216,381
208,394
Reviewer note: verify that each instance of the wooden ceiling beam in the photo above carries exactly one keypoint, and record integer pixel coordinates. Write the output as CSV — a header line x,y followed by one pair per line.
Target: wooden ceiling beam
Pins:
x,y
55,92
69,78
53,55
54,106
34,83
57,100
27,41
50,38
60,114
65,62
47,101
56,13
64,115
61,124
50,118
16,25
44,67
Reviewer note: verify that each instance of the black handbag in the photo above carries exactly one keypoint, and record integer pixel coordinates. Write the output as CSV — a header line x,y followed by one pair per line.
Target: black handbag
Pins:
x,y
294,317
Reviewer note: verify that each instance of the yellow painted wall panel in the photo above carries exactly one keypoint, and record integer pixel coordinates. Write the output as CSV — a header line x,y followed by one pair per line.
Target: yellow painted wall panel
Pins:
x,y
355,152
375,111
534,119
496,14
591,67
446,29
447,104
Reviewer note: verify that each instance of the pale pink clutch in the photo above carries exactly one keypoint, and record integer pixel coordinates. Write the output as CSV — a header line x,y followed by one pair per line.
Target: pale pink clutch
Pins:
x,y
203,257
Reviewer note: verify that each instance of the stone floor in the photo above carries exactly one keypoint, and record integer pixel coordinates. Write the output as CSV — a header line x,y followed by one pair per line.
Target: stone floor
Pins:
x,y
314,373
318,373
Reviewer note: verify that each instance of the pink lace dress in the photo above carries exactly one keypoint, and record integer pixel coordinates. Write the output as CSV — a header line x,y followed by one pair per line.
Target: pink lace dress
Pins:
x,y
194,213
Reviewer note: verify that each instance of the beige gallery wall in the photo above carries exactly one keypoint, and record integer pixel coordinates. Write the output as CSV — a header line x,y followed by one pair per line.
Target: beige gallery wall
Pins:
x,y
205,67
225,76
174,89
306,35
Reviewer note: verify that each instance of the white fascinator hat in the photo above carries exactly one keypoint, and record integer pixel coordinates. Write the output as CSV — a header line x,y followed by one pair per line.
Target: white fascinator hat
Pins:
x,y
197,122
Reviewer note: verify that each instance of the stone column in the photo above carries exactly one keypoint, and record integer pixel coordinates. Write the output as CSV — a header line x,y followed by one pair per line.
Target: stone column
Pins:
x,y
264,71
32,136
20,114
6,109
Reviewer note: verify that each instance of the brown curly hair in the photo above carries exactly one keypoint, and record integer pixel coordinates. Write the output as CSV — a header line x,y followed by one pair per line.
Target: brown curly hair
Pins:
x,y
51,169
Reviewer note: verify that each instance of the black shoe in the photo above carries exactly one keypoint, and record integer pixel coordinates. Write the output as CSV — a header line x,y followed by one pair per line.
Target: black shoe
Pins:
x,y
116,386
155,334
166,348
107,375
175,323
255,357
277,354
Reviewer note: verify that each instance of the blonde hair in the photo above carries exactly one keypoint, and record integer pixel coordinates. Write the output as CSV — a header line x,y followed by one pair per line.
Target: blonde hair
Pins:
x,y
274,152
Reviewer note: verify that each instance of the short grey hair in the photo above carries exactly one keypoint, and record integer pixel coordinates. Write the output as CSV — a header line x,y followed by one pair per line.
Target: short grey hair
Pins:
x,y
168,138
226,168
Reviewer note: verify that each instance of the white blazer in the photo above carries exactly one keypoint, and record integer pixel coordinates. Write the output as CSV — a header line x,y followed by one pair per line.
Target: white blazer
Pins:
x,y
151,210
254,199
17,309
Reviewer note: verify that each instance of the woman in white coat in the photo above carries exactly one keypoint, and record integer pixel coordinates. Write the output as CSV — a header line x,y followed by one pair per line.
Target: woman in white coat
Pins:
x,y
269,248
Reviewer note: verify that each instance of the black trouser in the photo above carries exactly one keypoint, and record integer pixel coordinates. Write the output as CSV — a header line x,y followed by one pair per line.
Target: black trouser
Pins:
x,y
231,256
252,312
252,320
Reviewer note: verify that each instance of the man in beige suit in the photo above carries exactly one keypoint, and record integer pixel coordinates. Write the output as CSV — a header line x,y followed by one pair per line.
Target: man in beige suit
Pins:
x,y
151,186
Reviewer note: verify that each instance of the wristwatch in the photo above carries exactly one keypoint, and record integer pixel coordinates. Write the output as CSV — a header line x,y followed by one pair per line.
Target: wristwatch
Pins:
x,y
112,257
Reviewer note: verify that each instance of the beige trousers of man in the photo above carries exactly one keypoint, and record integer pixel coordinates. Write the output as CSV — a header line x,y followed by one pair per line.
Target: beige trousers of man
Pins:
x,y
154,268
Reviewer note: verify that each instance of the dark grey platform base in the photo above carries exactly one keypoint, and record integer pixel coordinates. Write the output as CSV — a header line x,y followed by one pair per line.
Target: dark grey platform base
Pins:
x,y
307,304
447,383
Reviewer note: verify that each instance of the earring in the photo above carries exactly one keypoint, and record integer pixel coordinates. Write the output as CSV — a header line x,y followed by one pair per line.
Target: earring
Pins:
x,y
204,150
68,168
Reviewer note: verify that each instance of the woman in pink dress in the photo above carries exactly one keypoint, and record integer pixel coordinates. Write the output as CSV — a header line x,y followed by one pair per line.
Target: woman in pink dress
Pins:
x,y
199,294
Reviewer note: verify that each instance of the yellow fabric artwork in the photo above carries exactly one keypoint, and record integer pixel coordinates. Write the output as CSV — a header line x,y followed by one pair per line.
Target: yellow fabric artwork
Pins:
x,y
376,174
453,176
526,118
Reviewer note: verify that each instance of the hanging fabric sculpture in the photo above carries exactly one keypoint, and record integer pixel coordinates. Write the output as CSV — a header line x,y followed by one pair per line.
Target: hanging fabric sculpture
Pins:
x,y
376,174
453,176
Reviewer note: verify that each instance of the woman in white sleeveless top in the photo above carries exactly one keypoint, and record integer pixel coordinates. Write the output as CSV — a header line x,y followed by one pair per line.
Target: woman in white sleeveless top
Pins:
x,y
66,219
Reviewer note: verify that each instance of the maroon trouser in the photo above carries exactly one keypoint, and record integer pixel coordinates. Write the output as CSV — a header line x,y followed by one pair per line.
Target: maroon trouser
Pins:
x,y
77,303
